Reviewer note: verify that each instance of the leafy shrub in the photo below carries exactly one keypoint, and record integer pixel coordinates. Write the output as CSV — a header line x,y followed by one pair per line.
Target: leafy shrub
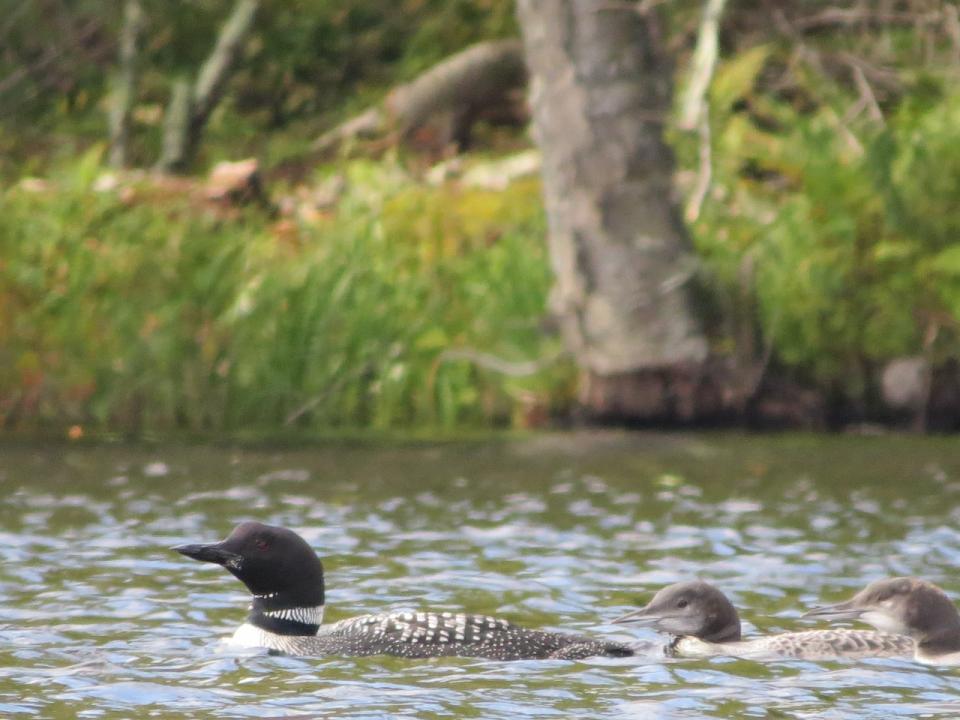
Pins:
x,y
848,233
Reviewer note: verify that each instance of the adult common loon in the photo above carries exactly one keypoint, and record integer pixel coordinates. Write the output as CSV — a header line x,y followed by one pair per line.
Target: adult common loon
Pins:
x,y
705,623
285,577
910,606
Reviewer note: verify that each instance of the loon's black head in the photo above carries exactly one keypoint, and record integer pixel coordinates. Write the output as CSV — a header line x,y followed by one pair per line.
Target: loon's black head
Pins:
x,y
905,606
694,608
279,568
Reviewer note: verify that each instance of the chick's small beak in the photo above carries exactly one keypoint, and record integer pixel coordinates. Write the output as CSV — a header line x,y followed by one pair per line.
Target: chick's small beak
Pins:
x,y
643,617
840,611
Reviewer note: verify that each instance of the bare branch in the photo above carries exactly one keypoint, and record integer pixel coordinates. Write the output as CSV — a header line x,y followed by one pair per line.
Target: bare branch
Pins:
x,y
187,116
852,141
705,172
176,127
217,68
845,17
882,77
702,66
125,83
866,92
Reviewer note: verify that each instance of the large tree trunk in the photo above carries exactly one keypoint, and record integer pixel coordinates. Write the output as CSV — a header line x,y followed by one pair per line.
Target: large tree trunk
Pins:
x,y
600,90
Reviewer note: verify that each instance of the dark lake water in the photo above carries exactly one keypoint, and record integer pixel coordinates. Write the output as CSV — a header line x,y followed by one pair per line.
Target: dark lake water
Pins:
x,y
99,619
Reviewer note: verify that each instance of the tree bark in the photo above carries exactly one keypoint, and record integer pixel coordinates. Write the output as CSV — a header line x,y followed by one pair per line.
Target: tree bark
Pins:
x,y
176,128
125,83
600,90
182,134
216,71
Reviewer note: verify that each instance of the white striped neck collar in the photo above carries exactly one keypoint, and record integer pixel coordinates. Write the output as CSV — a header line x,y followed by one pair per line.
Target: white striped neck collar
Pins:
x,y
287,621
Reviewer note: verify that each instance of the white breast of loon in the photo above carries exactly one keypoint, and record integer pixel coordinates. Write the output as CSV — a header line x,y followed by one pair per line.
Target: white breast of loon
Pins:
x,y
948,659
808,645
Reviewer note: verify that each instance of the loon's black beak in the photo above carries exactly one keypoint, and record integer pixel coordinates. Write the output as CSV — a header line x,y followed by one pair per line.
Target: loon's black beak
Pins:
x,y
213,553
840,611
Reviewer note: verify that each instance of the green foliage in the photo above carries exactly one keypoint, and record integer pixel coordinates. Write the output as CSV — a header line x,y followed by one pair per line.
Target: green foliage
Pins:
x,y
842,232
311,56
828,234
307,63
135,316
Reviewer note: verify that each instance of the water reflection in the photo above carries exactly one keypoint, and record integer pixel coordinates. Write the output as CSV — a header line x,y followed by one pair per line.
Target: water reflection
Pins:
x,y
100,619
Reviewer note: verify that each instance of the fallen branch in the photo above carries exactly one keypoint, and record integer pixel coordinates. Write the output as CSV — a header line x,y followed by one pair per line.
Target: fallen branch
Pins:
x,y
460,85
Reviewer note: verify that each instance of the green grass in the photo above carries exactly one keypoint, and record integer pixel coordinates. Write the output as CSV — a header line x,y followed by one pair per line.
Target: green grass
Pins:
x,y
152,316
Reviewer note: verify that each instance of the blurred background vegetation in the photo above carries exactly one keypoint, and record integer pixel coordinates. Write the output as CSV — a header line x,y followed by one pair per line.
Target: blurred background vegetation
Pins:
x,y
828,231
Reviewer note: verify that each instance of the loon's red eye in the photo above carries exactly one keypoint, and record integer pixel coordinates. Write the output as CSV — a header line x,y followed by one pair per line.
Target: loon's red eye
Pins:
x,y
261,543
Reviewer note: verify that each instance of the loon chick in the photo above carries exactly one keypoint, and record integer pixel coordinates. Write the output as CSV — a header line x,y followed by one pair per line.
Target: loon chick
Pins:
x,y
910,606
285,577
705,623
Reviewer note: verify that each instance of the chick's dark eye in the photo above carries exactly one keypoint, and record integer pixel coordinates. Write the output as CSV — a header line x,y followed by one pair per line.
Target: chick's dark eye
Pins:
x,y
682,604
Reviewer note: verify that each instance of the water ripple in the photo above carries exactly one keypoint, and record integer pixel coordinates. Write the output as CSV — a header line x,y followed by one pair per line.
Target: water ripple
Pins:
x,y
99,619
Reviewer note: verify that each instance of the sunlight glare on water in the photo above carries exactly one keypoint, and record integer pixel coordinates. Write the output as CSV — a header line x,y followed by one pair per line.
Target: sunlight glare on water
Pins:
x,y
99,619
